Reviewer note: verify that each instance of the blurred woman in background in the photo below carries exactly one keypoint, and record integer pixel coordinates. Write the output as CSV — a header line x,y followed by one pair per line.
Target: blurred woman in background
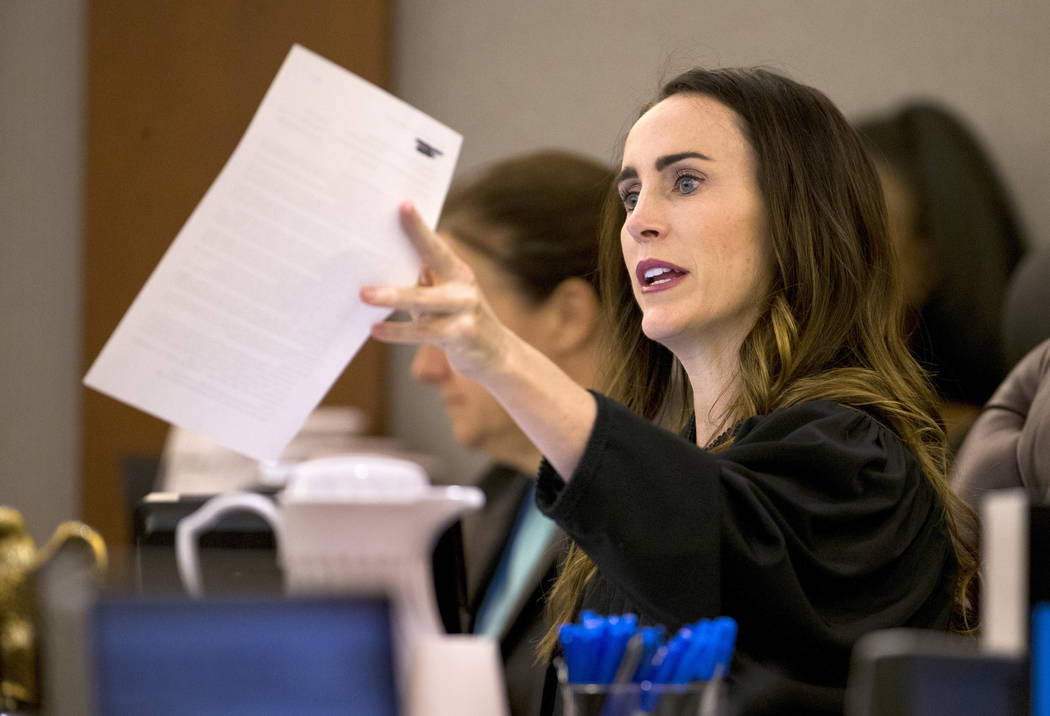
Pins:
x,y
958,240
528,229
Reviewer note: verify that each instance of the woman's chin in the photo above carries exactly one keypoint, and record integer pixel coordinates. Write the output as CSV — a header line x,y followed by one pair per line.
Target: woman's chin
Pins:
x,y
467,437
661,331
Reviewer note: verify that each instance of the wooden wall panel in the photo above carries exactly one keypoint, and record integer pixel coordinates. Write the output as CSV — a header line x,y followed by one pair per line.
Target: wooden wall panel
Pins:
x,y
172,85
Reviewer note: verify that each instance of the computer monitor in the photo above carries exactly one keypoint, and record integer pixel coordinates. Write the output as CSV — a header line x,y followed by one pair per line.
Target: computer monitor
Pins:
x,y
245,656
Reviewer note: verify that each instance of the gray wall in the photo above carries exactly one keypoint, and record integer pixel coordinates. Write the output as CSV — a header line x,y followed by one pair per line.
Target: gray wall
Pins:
x,y
516,76
41,121
511,77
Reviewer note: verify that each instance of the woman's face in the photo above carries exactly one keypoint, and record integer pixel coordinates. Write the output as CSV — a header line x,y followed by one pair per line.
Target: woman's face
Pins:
x,y
915,261
477,419
695,240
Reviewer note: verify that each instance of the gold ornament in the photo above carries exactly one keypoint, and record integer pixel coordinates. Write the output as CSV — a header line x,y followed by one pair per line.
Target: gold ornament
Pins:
x,y
19,561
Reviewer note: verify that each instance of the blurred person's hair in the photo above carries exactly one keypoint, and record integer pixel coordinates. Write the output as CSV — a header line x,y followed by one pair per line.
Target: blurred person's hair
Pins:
x,y
536,216
963,215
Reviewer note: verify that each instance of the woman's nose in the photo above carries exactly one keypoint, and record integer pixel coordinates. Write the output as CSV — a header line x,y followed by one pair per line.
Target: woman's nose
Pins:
x,y
645,222
430,364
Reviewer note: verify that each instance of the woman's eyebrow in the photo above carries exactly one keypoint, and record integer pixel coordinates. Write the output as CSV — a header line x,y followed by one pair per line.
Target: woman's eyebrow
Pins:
x,y
669,159
625,173
661,163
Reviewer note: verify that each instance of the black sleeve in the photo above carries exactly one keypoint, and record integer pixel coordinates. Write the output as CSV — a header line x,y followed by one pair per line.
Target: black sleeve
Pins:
x,y
815,526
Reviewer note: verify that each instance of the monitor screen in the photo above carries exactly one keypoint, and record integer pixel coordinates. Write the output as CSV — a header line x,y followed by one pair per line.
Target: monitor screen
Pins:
x,y
232,657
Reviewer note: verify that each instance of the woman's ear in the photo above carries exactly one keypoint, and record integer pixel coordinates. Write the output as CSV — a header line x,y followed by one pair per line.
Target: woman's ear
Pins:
x,y
573,312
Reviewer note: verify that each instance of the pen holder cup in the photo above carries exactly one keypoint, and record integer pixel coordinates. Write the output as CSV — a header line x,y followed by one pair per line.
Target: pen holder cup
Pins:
x,y
699,698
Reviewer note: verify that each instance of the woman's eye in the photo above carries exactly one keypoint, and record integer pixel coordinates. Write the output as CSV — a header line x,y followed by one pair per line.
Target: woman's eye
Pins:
x,y
687,183
630,199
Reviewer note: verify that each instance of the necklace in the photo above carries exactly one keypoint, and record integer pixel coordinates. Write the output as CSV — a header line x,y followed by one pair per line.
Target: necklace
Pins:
x,y
722,437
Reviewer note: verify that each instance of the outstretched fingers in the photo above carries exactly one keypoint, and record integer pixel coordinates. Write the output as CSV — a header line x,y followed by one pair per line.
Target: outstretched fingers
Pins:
x,y
439,261
415,331
445,307
420,300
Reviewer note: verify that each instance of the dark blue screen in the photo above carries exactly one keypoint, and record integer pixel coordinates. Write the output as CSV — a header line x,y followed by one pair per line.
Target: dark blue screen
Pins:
x,y
310,657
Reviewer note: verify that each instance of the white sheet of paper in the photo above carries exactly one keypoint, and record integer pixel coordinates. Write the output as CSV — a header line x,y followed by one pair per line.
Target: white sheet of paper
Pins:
x,y
253,311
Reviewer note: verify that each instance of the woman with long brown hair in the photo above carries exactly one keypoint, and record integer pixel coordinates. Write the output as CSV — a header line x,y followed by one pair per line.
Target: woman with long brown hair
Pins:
x,y
767,448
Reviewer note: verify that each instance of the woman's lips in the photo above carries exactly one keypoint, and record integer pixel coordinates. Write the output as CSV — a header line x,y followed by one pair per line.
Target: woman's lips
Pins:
x,y
655,275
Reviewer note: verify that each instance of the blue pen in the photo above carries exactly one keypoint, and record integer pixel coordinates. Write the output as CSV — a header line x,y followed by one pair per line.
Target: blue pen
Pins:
x,y
589,618
677,648
579,645
593,644
620,700
684,639
593,640
608,654
647,700
657,662
571,646
668,657
707,659
628,628
699,637
652,640
589,632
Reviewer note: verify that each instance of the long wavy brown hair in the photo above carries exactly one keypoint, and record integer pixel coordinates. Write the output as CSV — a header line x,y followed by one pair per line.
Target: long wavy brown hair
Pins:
x,y
832,327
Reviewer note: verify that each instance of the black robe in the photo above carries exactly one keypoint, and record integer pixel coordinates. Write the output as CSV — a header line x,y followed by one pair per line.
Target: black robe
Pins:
x,y
814,527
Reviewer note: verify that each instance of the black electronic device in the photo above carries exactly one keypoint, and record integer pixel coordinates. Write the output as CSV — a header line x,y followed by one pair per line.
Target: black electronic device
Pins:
x,y
917,672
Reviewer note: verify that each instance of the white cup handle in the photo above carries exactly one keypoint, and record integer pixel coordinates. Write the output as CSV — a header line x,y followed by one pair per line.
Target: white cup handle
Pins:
x,y
189,528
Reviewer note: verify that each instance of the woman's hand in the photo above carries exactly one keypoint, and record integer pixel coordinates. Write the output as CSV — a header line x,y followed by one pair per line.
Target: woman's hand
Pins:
x,y
447,309
446,306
